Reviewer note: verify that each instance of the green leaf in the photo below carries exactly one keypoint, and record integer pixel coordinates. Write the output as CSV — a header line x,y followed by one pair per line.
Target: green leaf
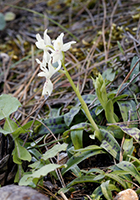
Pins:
x,y
43,171
111,94
28,180
81,126
21,130
36,165
138,191
38,140
77,138
20,153
2,22
16,158
108,74
88,98
136,69
120,47
122,96
82,179
128,166
133,132
54,151
9,126
77,135
110,144
34,152
128,111
117,132
76,170
56,125
99,177
105,190
134,158
96,170
109,112
118,179
64,190
98,192
99,109
55,112
81,155
8,105
122,175
128,148
68,117
19,174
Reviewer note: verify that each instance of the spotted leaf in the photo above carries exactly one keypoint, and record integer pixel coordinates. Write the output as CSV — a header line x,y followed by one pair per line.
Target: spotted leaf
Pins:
x,y
133,132
70,115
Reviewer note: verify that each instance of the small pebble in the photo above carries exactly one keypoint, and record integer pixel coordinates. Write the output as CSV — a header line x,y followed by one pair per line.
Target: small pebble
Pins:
x,y
128,194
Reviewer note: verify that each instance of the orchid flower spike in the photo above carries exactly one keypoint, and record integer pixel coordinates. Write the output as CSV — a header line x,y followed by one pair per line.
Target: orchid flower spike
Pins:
x,y
47,73
59,48
44,44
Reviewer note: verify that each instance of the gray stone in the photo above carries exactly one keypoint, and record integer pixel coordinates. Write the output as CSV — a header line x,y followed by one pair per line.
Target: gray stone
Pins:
x,y
15,192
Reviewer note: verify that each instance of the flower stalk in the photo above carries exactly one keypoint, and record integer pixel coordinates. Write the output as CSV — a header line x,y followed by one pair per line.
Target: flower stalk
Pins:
x,y
84,105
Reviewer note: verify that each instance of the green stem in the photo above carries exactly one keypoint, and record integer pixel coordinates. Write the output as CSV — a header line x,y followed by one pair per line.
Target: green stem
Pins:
x,y
84,105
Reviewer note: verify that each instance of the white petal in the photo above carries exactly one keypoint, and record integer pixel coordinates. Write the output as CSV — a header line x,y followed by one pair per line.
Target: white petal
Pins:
x,y
41,74
67,45
40,41
47,39
59,65
47,88
38,37
57,55
46,56
45,72
51,69
40,44
58,43
42,64
38,61
61,37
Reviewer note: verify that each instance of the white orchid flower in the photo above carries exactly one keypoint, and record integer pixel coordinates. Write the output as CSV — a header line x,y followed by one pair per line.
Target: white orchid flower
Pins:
x,y
44,44
47,73
59,48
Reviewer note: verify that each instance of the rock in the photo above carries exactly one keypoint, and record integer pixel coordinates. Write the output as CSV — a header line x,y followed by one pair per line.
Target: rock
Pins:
x,y
127,195
15,192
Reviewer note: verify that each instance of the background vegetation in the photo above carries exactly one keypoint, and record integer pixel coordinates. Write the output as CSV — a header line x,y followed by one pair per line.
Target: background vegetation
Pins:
x,y
48,143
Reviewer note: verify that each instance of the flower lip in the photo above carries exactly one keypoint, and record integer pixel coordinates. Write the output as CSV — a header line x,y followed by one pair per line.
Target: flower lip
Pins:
x,y
47,88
